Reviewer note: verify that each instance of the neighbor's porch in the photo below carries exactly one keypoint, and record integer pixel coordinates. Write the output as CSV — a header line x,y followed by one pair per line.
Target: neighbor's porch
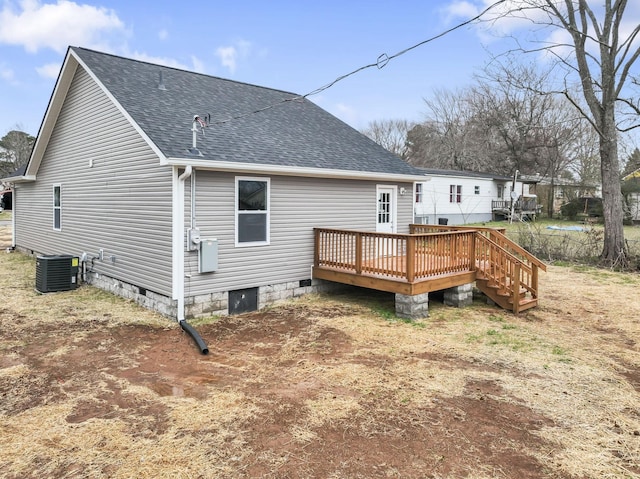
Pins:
x,y
430,258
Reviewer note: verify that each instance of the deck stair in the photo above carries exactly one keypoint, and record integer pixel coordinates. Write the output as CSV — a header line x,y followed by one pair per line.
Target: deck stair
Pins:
x,y
506,273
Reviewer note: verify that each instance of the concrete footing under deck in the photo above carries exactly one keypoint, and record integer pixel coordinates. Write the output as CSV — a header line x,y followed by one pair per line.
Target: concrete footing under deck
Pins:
x,y
417,306
459,296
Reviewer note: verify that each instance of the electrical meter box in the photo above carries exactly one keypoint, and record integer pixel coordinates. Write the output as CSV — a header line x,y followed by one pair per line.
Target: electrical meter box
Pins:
x,y
208,256
56,273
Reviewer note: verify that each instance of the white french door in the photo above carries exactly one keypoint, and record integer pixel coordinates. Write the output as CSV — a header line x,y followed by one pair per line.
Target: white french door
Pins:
x,y
386,209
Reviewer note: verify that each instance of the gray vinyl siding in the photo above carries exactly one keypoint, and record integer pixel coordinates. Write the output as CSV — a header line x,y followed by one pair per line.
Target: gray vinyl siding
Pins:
x,y
120,203
297,205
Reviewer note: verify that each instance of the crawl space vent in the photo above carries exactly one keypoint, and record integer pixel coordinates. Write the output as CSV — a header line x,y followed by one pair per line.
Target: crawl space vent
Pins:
x,y
243,300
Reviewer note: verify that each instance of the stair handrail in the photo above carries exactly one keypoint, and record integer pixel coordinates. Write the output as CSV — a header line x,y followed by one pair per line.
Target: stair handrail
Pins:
x,y
530,269
516,248
499,233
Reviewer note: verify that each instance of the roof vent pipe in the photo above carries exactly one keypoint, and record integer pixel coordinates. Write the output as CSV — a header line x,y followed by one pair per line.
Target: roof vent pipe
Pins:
x,y
194,130
161,82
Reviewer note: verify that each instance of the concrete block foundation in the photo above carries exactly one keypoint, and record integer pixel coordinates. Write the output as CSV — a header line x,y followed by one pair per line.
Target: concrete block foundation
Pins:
x,y
412,307
209,304
459,296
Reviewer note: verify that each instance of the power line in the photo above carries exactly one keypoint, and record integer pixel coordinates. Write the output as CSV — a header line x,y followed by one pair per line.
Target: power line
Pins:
x,y
380,63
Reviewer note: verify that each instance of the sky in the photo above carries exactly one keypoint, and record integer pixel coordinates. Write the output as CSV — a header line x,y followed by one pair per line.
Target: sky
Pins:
x,y
288,45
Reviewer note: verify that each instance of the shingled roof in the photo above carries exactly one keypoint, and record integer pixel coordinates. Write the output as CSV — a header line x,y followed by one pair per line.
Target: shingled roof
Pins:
x,y
293,132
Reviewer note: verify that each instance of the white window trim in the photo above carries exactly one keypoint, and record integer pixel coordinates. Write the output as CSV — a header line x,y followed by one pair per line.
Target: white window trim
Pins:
x,y
59,207
237,212
455,194
419,193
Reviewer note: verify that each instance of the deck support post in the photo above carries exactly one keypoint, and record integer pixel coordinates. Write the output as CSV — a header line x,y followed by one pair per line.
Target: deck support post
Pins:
x,y
412,306
459,296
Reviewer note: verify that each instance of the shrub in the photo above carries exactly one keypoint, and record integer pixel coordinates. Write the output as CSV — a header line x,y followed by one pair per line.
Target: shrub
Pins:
x,y
590,207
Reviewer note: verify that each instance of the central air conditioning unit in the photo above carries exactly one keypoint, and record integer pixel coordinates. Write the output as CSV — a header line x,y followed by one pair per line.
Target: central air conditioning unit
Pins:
x,y
56,273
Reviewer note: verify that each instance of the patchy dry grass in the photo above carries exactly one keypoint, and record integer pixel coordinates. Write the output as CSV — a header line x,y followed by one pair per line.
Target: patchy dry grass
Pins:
x,y
552,240
323,387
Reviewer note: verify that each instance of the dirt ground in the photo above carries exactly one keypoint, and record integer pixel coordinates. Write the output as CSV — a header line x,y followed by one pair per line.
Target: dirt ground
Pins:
x,y
322,387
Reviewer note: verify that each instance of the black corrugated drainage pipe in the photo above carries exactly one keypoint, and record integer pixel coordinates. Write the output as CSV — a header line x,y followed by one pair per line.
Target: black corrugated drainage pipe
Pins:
x,y
196,337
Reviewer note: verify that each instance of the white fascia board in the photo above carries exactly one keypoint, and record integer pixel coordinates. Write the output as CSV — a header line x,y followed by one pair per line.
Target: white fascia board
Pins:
x,y
255,168
122,110
21,179
56,101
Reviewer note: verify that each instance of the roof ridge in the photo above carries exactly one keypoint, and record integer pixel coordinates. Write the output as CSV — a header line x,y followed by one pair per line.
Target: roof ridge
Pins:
x,y
182,70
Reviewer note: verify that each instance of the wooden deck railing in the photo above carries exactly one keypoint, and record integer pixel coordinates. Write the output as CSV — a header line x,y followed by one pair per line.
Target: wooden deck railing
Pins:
x,y
497,235
521,204
408,257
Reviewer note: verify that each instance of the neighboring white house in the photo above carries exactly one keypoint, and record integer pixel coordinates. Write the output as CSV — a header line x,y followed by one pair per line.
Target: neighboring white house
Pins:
x,y
461,197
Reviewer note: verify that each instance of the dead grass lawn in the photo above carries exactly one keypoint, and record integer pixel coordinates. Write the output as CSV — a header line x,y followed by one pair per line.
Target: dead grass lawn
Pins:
x,y
323,387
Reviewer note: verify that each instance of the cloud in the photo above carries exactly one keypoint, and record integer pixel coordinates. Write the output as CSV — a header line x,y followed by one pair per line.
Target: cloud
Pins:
x,y
521,19
166,61
500,18
230,55
163,34
35,25
50,70
227,57
461,9
197,65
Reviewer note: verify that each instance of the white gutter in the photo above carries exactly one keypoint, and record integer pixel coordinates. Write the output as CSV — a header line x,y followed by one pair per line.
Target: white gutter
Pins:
x,y
215,165
178,238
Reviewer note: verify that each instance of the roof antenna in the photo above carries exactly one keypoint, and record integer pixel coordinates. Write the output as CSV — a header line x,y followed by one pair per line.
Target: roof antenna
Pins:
x,y
197,122
161,82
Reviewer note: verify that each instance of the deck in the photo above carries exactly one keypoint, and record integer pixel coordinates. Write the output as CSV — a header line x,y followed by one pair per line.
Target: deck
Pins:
x,y
430,258
523,208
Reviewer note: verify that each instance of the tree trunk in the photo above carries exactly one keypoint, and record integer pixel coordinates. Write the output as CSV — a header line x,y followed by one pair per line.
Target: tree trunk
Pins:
x,y
614,251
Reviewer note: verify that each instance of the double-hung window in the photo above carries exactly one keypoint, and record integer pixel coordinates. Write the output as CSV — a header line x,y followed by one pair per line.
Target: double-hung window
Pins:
x,y
252,211
455,193
419,193
57,207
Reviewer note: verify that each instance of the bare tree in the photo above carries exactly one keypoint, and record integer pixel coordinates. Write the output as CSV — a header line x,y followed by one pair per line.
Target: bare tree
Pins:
x,y
584,151
450,115
391,134
500,124
601,53
515,116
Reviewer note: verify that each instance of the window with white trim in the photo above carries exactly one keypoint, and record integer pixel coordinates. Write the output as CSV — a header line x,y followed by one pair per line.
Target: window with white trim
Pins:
x,y
57,207
476,190
418,192
252,211
455,193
